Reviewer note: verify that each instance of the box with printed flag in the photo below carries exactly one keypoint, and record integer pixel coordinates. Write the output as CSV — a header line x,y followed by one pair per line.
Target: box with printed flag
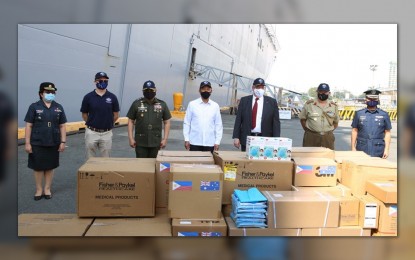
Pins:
x,y
164,160
195,191
315,172
199,227
388,217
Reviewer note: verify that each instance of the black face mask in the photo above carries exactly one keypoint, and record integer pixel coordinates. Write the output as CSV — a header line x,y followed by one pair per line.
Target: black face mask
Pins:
x,y
149,95
323,97
205,95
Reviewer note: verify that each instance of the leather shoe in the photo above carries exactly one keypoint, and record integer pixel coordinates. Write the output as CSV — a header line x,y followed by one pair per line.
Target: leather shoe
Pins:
x,y
38,197
48,197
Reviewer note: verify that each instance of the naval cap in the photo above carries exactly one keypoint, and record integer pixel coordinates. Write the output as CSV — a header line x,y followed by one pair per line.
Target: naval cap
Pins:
x,y
372,93
47,86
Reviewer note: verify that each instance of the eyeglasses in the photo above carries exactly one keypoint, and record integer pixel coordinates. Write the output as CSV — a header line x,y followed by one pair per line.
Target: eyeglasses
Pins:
x,y
49,91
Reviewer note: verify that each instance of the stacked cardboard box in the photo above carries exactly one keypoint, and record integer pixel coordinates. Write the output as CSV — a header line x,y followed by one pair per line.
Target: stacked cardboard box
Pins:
x,y
242,173
385,194
315,152
195,191
197,227
121,187
52,225
368,212
301,209
356,173
268,148
347,155
156,226
349,205
311,171
163,161
336,232
263,232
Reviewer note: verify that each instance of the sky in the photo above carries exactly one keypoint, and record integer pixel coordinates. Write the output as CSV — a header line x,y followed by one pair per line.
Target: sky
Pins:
x,y
337,54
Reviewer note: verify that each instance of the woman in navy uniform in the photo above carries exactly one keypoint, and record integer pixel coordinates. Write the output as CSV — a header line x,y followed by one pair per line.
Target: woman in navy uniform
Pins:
x,y
45,136
371,128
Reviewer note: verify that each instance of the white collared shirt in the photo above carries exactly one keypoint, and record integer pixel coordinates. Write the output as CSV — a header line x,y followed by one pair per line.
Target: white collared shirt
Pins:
x,y
202,124
257,128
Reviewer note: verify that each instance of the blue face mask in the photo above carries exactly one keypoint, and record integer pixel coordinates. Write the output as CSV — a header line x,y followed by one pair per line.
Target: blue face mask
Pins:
x,y
102,84
372,103
49,97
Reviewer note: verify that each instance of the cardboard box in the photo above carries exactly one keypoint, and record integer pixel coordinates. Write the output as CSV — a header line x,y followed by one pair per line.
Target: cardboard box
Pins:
x,y
113,227
355,174
339,156
314,172
241,173
349,211
268,148
199,228
164,160
52,225
381,234
122,187
385,191
368,212
388,217
337,191
195,191
226,210
301,209
314,152
352,231
233,231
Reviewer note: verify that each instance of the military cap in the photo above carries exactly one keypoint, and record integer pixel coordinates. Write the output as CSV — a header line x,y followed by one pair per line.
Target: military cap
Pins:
x,y
372,93
47,86
149,84
101,75
323,87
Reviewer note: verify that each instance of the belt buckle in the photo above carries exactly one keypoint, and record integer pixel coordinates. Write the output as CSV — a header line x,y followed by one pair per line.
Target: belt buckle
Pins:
x,y
150,127
322,133
49,124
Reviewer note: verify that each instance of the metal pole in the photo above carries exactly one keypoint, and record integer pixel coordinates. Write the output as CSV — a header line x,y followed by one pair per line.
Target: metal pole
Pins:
x,y
186,71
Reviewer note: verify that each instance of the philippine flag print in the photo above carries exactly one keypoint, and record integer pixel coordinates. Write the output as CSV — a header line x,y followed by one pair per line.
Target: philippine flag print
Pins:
x,y
182,185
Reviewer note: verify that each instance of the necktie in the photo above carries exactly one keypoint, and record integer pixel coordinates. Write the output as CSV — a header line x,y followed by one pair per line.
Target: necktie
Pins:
x,y
254,111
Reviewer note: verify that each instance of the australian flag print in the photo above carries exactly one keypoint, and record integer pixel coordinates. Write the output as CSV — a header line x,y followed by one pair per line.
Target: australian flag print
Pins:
x,y
209,185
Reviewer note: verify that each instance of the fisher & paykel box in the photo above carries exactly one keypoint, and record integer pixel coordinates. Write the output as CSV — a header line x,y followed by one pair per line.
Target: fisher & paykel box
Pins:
x,y
301,209
242,173
164,160
388,217
195,191
199,228
116,187
314,172
368,212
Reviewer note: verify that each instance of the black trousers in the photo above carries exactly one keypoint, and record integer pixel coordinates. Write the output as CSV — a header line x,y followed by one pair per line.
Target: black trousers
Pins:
x,y
201,148
243,148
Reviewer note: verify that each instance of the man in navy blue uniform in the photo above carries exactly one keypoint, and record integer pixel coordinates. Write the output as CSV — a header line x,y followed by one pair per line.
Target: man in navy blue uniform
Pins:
x,y
100,110
371,128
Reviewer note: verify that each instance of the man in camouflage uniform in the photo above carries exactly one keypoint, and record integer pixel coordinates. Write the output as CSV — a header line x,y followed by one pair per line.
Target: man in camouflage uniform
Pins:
x,y
319,118
148,114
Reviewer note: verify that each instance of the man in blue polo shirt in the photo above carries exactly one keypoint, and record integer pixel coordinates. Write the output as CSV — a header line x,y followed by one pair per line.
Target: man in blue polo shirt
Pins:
x,y
100,110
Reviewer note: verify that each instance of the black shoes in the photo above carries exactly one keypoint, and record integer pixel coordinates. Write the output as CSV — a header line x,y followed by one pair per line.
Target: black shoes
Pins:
x,y
38,197
48,197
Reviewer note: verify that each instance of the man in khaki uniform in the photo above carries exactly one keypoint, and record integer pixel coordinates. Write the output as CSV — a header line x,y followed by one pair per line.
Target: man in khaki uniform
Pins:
x,y
148,115
319,118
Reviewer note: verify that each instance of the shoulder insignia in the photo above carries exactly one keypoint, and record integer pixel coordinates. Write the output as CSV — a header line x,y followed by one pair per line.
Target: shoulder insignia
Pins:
x,y
333,103
309,101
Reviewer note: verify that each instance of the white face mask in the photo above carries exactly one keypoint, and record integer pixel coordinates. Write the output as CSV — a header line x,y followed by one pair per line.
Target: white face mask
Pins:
x,y
259,92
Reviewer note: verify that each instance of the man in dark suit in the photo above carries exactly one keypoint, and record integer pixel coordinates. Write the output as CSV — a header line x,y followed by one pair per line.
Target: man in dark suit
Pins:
x,y
257,115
